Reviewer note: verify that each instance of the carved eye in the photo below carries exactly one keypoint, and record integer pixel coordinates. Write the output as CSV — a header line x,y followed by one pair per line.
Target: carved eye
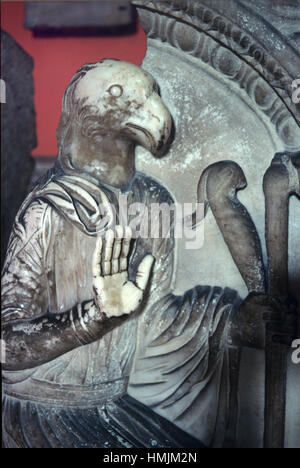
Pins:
x,y
115,90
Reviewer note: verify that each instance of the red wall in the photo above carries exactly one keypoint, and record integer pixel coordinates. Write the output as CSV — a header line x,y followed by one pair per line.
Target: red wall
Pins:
x,y
56,60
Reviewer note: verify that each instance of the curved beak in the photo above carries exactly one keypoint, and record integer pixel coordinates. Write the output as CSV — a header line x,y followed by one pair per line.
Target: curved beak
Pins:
x,y
151,125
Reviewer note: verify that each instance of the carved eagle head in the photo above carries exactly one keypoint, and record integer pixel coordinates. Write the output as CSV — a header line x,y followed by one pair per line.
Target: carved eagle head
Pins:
x,y
117,98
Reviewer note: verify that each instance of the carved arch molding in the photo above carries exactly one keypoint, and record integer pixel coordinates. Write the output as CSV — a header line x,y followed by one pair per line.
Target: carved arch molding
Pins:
x,y
238,43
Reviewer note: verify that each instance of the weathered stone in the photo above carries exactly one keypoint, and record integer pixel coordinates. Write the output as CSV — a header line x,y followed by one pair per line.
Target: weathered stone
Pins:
x,y
18,135
110,316
226,75
108,108
284,15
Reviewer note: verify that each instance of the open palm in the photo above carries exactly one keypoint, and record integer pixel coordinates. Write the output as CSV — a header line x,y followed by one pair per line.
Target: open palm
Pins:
x,y
115,294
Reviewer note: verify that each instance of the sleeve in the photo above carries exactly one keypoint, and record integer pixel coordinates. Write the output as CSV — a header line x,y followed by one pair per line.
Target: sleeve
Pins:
x,y
23,282
33,335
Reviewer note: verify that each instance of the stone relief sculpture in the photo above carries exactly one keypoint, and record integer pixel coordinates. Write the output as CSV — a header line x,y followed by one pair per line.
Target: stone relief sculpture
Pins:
x,y
102,350
227,72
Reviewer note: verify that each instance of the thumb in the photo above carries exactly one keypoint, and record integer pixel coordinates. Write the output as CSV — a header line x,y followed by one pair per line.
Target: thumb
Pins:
x,y
143,272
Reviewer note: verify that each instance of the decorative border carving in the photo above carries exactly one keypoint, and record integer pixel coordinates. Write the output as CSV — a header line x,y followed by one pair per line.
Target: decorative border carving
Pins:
x,y
191,27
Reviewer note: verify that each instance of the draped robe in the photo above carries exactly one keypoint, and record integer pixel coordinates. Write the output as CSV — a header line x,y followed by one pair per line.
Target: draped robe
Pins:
x,y
173,357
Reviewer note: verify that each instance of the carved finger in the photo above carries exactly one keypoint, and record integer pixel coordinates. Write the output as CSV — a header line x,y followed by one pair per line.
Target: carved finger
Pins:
x,y
97,258
143,272
107,252
98,286
115,264
125,248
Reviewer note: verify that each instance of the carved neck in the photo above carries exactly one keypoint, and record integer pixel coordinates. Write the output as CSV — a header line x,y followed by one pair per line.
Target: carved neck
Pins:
x,y
108,158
